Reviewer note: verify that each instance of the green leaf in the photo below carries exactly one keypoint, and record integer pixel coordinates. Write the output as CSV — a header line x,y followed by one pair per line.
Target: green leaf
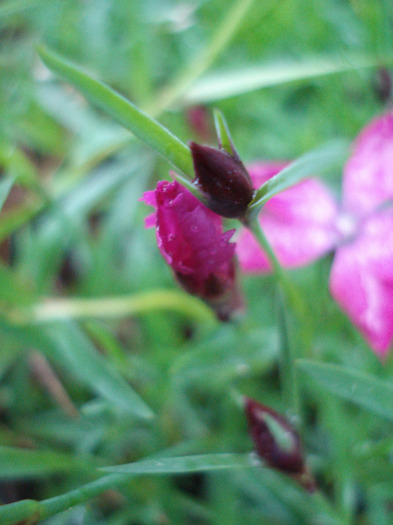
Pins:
x,y
10,514
363,390
184,464
123,111
5,188
18,463
311,163
223,134
70,347
224,84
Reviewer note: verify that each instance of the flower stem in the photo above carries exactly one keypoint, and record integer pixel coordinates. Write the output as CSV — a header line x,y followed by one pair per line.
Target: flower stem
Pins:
x,y
291,293
288,372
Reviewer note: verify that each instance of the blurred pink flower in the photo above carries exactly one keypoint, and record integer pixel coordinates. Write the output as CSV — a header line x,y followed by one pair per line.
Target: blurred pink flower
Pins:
x,y
361,279
299,223
191,240
303,222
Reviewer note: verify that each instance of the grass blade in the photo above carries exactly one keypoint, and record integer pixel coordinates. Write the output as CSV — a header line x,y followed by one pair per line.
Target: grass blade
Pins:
x,y
183,464
19,463
363,390
218,86
14,512
123,111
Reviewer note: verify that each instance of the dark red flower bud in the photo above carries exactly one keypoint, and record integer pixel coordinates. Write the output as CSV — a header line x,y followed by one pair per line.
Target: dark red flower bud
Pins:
x,y
223,180
277,442
191,239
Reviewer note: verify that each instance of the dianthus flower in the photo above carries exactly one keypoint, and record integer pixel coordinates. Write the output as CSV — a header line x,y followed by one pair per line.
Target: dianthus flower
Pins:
x,y
361,279
304,222
191,240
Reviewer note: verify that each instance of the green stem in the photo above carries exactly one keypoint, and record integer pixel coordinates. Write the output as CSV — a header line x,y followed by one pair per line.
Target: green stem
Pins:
x,y
291,293
289,381
254,226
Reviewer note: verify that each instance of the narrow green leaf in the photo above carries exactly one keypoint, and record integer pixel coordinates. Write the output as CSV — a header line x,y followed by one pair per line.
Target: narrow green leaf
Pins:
x,y
70,346
363,390
5,188
224,84
10,514
18,463
123,111
311,163
184,464
223,134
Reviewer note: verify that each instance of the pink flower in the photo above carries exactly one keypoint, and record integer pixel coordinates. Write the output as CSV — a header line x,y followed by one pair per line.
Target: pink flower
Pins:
x,y
361,279
304,222
191,240
298,223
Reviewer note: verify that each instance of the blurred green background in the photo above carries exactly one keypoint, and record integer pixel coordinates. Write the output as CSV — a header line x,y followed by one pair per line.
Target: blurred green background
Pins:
x,y
79,381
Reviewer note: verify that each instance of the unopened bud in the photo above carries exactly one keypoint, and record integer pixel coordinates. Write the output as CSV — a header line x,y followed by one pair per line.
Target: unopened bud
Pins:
x,y
223,180
277,442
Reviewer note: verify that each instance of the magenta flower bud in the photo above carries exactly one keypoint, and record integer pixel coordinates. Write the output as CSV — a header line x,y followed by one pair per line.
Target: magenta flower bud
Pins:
x,y
277,442
191,240
222,179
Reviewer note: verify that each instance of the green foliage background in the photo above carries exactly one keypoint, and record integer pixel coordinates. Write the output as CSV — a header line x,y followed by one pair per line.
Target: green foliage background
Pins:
x,y
143,371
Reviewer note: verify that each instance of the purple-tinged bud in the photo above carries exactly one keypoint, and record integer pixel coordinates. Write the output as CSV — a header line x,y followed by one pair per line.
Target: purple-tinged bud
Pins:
x,y
277,442
223,180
